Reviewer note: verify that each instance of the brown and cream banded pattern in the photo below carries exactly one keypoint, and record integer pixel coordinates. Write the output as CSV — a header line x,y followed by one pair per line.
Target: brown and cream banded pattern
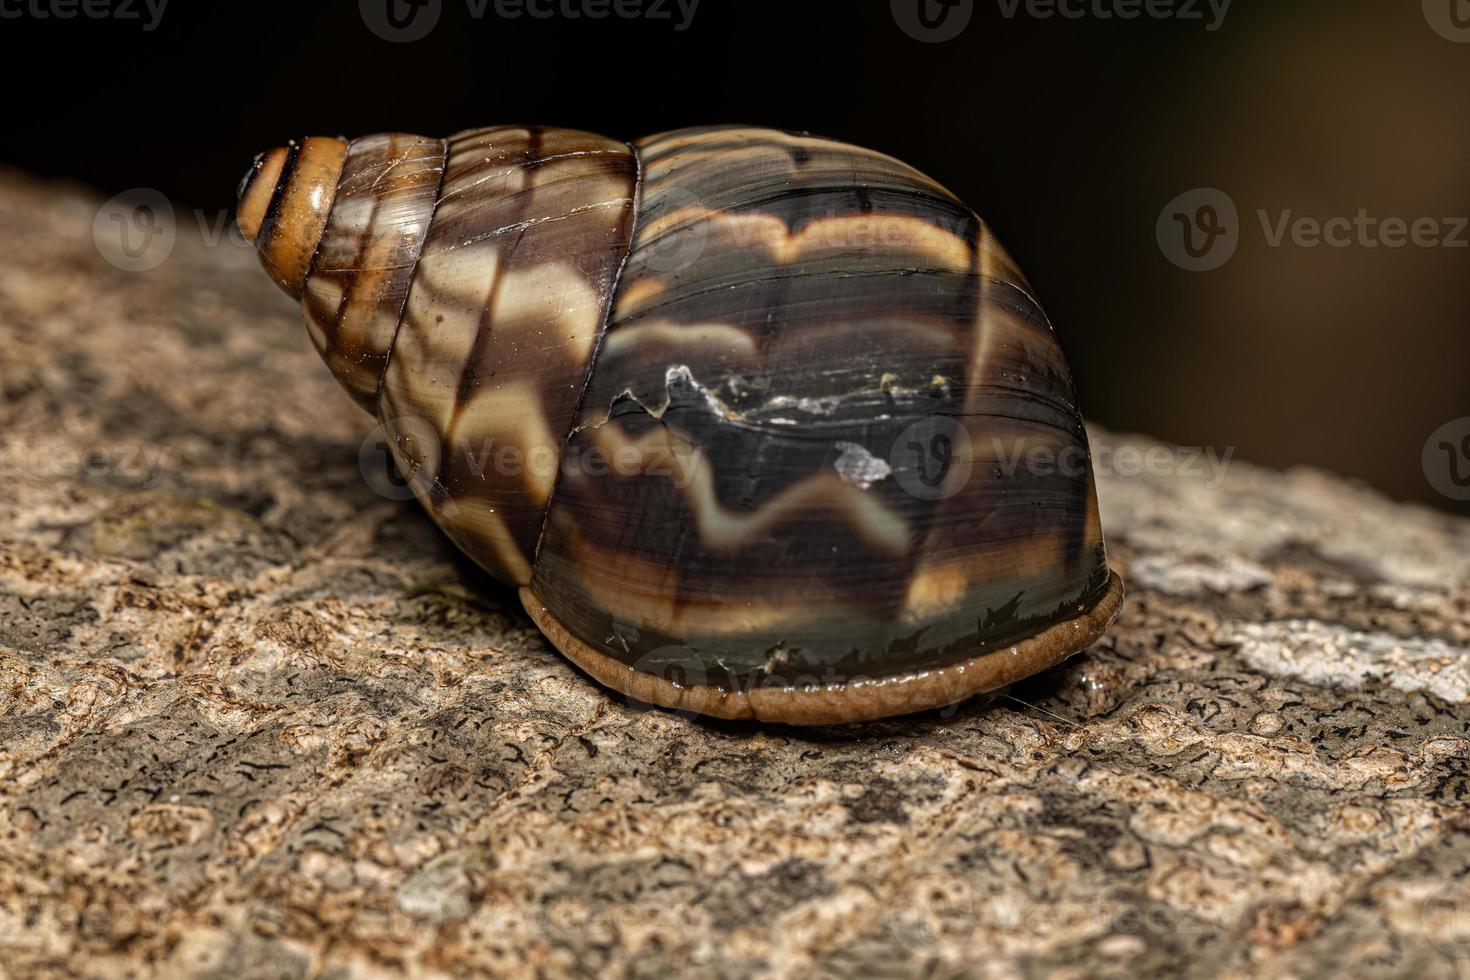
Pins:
x,y
761,424
359,280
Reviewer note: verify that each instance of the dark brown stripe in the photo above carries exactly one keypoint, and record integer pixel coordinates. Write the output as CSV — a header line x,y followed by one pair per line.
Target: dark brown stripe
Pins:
x,y
348,280
408,290
531,160
272,210
628,232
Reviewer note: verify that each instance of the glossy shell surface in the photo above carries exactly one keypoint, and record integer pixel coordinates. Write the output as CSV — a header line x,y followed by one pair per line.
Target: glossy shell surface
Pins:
x,y
760,424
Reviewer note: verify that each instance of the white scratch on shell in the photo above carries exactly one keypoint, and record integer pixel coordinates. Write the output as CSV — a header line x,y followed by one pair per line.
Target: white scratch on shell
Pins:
x,y
859,467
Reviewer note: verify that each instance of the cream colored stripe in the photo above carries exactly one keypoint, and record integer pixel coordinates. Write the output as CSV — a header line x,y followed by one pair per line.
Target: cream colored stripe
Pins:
x,y
509,415
879,233
620,341
476,527
641,593
723,529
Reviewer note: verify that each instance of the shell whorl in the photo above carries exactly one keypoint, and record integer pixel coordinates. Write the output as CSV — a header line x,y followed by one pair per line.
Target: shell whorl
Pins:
x,y
368,254
501,326
285,198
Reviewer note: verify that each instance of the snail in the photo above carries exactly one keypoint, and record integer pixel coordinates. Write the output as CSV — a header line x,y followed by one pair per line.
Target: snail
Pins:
x,y
759,424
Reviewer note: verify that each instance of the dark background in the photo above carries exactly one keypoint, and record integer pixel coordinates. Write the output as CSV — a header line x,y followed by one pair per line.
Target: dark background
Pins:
x,y
1068,135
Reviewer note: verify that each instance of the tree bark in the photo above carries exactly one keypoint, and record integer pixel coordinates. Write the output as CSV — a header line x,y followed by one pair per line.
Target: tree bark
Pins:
x,y
254,714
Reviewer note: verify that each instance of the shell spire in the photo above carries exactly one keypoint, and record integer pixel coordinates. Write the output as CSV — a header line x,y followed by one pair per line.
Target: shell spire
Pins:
x,y
339,226
284,200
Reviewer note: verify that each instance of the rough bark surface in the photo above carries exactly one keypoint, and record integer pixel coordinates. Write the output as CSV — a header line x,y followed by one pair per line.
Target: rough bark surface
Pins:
x,y
257,720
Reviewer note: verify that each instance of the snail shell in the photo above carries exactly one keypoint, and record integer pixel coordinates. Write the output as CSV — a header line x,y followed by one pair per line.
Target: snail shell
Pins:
x,y
751,419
